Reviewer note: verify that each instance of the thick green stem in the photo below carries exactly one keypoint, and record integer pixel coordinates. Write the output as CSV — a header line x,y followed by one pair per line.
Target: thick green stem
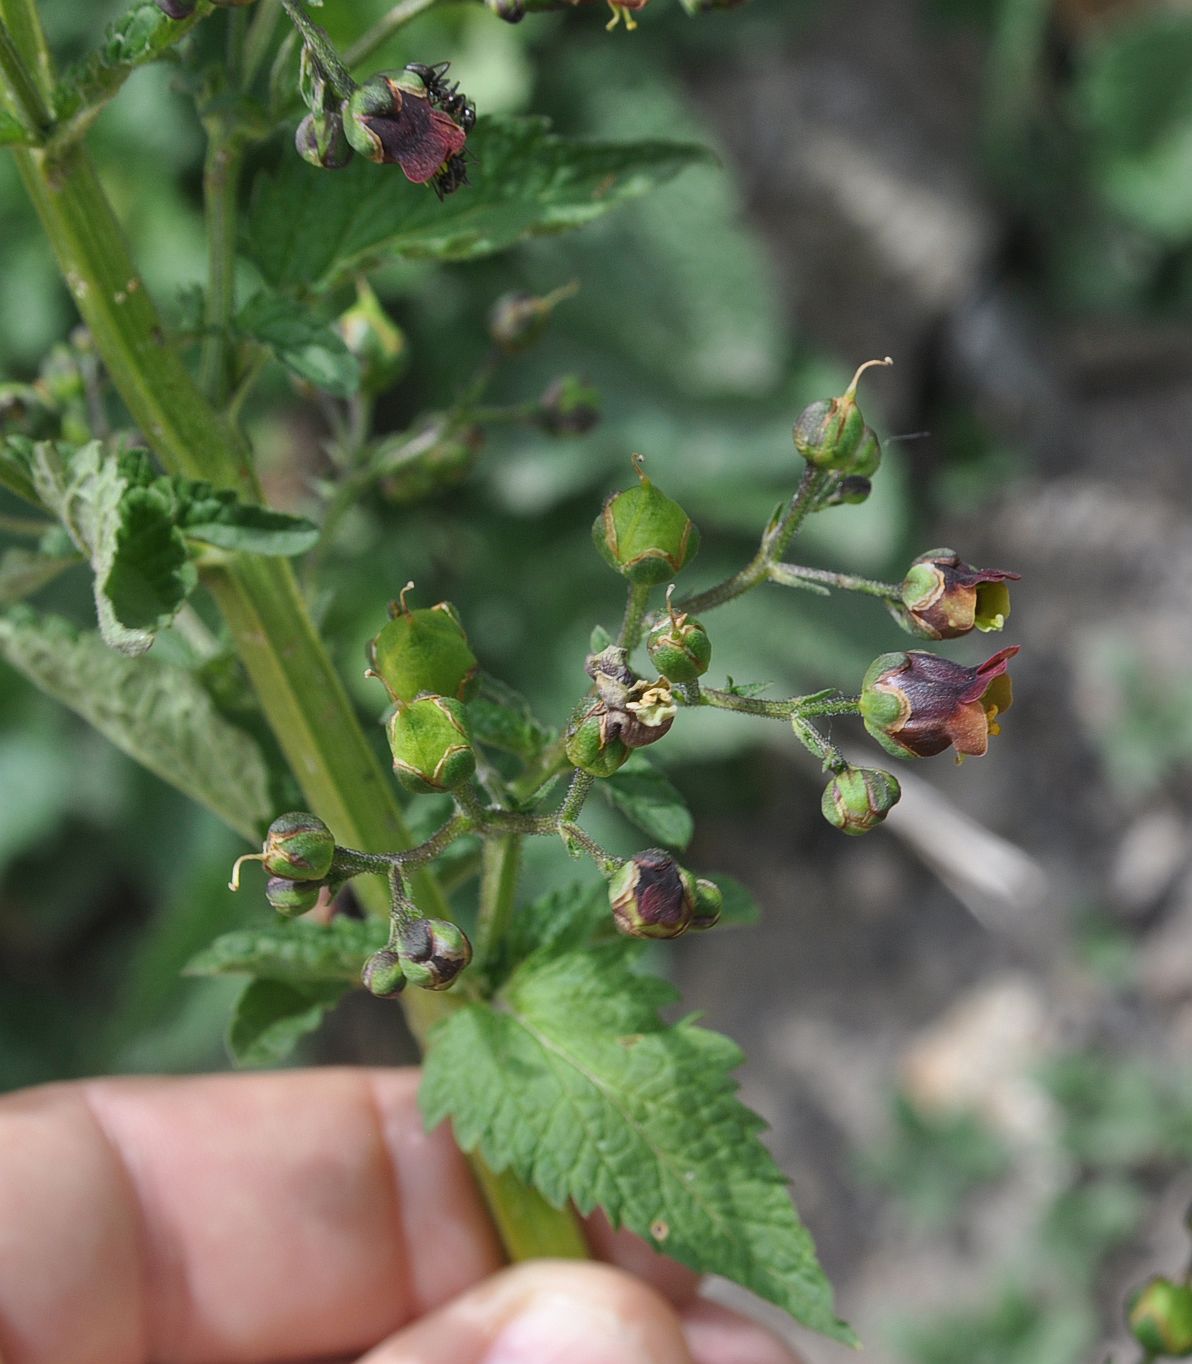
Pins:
x,y
385,27
221,181
24,97
500,862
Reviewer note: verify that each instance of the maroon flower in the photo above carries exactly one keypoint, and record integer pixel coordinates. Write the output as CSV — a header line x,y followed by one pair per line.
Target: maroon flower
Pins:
x,y
917,704
652,896
944,597
389,119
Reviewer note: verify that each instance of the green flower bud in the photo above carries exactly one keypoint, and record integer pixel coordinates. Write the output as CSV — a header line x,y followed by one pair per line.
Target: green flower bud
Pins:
x,y
298,845
643,534
433,952
376,341
831,434
849,492
319,139
431,745
438,456
709,901
679,647
382,974
652,896
1160,1315
292,898
569,407
517,320
590,743
424,650
859,798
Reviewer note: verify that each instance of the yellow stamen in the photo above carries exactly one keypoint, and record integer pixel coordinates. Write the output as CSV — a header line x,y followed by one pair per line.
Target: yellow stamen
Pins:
x,y
619,13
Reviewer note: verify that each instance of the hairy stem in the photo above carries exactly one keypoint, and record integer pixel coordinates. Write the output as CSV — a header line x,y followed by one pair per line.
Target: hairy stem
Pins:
x,y
795,575
320,45
635,611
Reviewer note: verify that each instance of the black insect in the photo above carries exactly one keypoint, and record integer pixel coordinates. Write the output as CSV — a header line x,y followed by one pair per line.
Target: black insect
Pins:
x,y
451,175
444,94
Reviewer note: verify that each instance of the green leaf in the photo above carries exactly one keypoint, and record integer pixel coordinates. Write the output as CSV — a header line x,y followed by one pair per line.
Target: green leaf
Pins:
x,y
307,347
217,518
272,1017
126,530
309,227
158,714
501,717
12,134
298,952
645,796
565,920
16,468
143,34
600,639
576,1085
23,572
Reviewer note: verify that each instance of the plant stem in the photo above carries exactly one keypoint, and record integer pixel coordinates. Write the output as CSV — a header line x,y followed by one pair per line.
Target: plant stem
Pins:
x,y
795,575
221,181
529,1228
577,793
384,28
828,754
258,38
320,45
635,610
24,97
498,889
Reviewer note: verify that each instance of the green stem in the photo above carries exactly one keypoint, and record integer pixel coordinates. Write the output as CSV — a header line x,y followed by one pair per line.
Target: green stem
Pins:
x,y
529,1227
384,28
221,181
795,575
635,611
24,97
257,40
500,863
577,793
830,757
795,706
316,39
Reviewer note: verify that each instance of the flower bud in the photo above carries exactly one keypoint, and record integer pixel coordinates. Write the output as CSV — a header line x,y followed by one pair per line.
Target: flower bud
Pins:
x,y
859,798
643,534
390,119
646,715
512,11
431,746
438,456
652,896
433,952
382,974
709,901
517,320
176,9
376,341
849,492
831,434
591,745
945,597
292,898
917,704
320,140
299,846
424,650
569,407
679,647
1160,1316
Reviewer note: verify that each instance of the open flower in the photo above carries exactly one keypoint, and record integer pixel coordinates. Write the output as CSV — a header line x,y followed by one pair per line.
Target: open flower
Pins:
x,y
917,704
390,119
944,597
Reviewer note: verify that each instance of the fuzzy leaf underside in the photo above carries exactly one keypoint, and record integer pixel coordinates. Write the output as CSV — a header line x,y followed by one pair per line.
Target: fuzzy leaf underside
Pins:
x,y
644,796
158,714
574,1083
310,227
297,953
272,1016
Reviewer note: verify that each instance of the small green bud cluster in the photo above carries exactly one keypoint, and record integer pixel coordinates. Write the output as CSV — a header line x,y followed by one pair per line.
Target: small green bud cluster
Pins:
x,y
428,954
679,647
652,896
858,799
298,853
644,534
832,434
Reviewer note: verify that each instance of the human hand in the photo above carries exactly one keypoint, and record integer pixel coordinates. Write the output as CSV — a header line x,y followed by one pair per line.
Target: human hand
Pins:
x,y
300,1216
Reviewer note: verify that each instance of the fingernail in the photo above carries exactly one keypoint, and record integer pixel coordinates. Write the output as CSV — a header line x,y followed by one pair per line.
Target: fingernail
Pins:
x,y
557,1329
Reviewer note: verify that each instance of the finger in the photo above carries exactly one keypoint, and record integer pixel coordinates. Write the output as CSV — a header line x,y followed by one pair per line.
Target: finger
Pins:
x,y
674,1281
718,1335
545,1312
227,1218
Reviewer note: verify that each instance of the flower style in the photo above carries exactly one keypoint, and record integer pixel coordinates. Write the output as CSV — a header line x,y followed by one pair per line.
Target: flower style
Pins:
x,y
918,704
944,597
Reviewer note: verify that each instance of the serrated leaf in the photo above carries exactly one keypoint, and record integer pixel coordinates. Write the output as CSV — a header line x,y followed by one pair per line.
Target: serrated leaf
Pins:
x,y
310,349
142,34
577,1086
298,953
158,714
23,572
501,717
645,796
310,228
272,1017
746,688
126,530
217,518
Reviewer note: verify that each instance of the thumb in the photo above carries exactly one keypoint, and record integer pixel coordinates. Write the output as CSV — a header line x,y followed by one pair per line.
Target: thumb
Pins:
x,y
545,1312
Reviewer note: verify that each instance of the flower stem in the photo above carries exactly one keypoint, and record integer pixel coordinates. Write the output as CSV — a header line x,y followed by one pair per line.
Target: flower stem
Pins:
x,y
795,575
321,47
635,610
384,28
498,890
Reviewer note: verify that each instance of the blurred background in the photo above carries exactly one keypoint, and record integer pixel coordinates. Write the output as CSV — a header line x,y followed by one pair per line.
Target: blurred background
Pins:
x,y
970,1032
